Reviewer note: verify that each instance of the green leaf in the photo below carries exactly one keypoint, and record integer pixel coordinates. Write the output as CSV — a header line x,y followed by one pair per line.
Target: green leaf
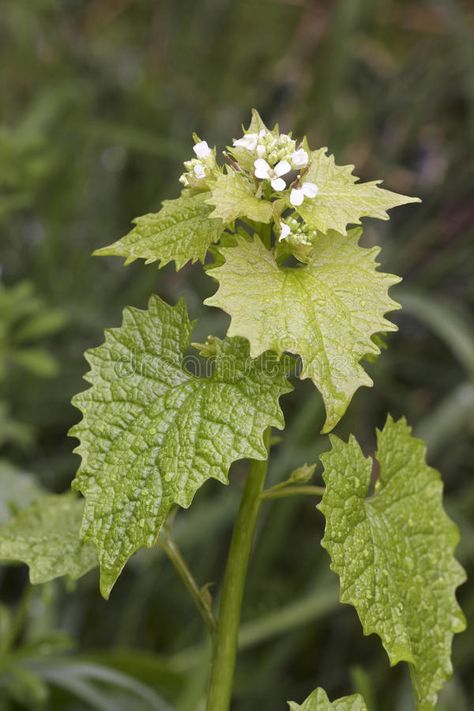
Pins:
x,y
256,123
318,701
393,551
326,311
45,536
17,490
233,196
183,230
153,433
341,200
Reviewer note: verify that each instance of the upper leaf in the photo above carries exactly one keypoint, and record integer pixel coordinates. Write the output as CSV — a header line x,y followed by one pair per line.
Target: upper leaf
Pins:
x,y
341,200
183,230
326,311
46,537
233,196
394,552
318,701
256,123
153,433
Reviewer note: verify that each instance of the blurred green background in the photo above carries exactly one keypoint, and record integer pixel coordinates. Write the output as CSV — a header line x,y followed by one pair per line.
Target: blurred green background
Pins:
x,y
98,100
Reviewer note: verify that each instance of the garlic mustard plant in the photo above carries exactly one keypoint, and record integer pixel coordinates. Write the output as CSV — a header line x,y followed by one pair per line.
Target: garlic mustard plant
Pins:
x,y
277,225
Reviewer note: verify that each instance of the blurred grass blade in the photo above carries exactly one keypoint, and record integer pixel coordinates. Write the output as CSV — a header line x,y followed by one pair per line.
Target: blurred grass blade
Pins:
x,y
77,678
448,323
448,418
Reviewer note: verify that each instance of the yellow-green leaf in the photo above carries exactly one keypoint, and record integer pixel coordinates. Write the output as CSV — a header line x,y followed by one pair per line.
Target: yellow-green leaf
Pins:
x,y
233,196
341,200
181,231
325,311
318,701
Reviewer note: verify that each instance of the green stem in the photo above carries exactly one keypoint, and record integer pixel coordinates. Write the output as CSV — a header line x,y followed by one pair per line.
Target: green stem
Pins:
x,y
282,492
226,636
266,235
200,597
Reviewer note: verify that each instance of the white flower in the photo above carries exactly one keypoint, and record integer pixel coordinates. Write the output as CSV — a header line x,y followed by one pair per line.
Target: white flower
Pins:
x,y
249,141
261,150
199,171
297,195
285,231
265,172
299,158
202,150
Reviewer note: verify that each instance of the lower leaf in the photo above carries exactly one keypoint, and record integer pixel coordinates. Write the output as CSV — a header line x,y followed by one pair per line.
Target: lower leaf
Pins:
x,y
393,551
45,536
318,701
153,433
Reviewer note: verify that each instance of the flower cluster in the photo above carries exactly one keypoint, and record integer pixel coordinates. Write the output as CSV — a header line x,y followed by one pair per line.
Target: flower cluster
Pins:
x,y
277,168
199,168
296,231
277,156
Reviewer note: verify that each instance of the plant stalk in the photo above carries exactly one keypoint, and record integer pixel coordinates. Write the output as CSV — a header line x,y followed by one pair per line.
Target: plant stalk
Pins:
x,y
226,635
284,491
199,596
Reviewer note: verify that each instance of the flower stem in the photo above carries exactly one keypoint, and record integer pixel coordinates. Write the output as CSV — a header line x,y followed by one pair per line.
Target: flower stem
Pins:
x,y
282,492
226,636
200,597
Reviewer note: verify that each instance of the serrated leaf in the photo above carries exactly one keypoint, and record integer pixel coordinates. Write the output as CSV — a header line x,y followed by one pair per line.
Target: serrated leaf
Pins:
x,y
18,489
341,200
153,433
326,311
393,551
256,123
181,231
45,536
318,701
233,196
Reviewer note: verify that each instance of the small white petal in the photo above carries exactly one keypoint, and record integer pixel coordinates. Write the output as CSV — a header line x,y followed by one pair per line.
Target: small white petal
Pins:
x,y
310,189
199,171
299,158
249,141
285,231
261,150
282,168
262,169
278,184
202,150
262,133
296,196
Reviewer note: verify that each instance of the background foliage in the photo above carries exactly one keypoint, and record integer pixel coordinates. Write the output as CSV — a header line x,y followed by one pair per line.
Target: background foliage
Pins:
x,y
98,102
